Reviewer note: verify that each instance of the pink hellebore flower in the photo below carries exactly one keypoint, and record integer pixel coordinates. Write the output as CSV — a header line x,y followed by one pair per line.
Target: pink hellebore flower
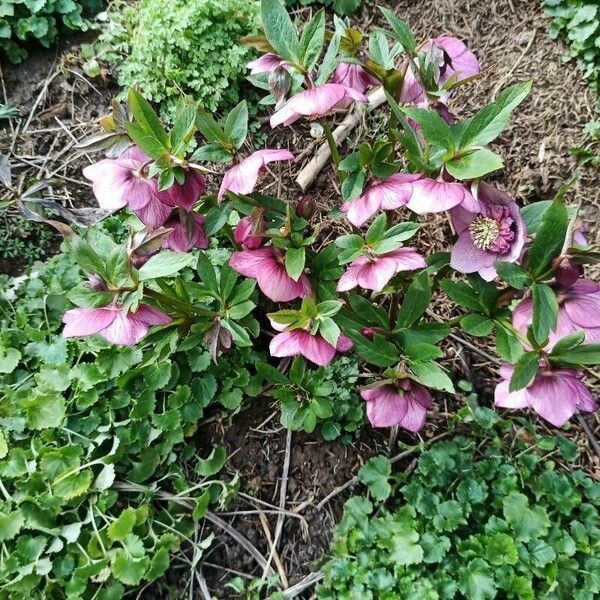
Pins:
x,y
266,265
300,342
265,63
579,308
494,232
113,323
186,235
248,233
404,404
436,195
389,194
186,194
242,178
374,273
455,59
555,395
354,76
315,102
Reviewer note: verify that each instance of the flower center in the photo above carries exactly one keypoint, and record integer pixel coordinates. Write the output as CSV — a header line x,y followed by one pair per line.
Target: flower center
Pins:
x,y
484,231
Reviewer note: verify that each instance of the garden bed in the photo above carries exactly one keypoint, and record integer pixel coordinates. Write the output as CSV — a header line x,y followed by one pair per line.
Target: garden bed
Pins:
x,y
58,103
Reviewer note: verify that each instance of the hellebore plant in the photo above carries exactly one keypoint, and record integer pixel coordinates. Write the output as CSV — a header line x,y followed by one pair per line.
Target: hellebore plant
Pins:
x,y
512,273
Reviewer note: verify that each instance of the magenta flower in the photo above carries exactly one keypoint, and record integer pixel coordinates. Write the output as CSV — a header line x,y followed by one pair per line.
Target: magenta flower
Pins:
x,y
300,342
556,395
579,309
113,323
452,57
248,232
188,232
265,64
404,404
185,195
494,232
315,102
373,273
389,194
266,265
242,178
436,195
354,76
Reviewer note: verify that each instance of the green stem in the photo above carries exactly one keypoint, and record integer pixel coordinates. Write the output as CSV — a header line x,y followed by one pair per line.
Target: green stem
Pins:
x,y
335,153
179,304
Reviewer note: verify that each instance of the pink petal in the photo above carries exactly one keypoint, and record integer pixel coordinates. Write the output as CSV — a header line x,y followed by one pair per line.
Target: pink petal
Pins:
x,y
179,239
583,309
431,196
185,195
359,211
385,406
466,257
276,284
344,344
150,316
248,262
316,349
124,330
522,315
463,62
507,399
375,275
407,259
87,321
264,64
269,155
349,279
553,398
286,343
246,231
353,76
415,416
154,213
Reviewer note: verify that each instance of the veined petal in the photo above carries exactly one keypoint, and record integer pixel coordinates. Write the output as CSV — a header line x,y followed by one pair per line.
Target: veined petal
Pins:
x,y
407,259
376,275
286,344
385,406
316,349
431,196
150,315
249,262
276,284
87,321
552,398
124,330
466,257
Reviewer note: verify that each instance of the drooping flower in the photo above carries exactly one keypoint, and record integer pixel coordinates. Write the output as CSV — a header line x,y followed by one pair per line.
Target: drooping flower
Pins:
x,y
494,232
242,178
300,342
389,194
404,404
248,232
451,57
373,273
188,231
556,395
266,265
265,63
315,102
436,195
578,308
113,323
354,76
187,194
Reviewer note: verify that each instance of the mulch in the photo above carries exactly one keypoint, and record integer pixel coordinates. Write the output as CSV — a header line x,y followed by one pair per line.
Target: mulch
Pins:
x,y
510,37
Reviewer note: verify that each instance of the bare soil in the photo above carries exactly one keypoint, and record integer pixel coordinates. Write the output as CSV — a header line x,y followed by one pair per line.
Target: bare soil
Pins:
x,y
510,38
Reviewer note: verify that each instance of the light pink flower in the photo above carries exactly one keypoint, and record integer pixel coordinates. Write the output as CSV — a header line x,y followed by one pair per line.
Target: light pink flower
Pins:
x,y
300,342
404,404
266,265
373,273
579,309
494,232
389,194
113,323
354,76
187,233
248,232
265,64
436,195
556,395
242,178
315,102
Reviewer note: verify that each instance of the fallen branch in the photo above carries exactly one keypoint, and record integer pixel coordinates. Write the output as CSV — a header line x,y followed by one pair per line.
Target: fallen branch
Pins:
x,y
309,173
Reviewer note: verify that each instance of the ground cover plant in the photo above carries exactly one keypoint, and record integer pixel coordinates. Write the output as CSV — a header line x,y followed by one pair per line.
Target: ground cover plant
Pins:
x,y
23,21
162,48
472,521
216,281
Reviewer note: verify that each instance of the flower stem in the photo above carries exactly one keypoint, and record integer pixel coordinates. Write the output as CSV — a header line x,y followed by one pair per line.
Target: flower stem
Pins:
x,y
335,153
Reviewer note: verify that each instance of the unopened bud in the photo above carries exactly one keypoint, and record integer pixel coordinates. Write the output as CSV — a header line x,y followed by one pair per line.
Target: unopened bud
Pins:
x,y
248,232
279,83
96,283
368,332
306,207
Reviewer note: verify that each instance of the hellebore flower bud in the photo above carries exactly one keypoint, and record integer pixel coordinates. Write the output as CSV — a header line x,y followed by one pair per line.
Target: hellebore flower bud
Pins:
x,y
96,283
279,83
306,207
368,332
